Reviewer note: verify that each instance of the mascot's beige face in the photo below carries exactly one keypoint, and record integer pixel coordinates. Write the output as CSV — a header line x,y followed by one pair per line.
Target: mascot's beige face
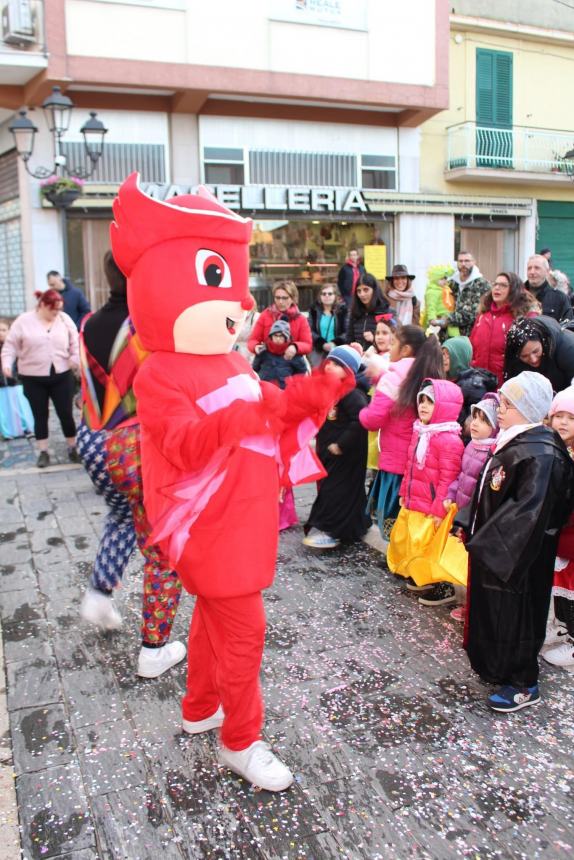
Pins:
x,y
209,328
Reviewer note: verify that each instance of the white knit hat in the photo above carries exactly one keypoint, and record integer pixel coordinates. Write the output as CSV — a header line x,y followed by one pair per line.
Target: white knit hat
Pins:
x,y
530,393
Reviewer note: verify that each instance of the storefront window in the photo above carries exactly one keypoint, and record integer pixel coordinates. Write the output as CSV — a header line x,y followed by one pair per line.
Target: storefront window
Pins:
x,y
307,252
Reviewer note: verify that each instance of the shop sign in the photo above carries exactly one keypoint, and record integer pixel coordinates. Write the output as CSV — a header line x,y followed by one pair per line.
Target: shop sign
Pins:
x,y
348,14
266,198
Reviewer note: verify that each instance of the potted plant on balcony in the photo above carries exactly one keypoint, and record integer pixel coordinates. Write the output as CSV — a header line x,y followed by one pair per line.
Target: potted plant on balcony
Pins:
x,y
61,191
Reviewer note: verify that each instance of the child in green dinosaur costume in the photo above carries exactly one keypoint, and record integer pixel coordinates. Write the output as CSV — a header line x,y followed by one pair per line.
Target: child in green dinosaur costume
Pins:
x,y
439,299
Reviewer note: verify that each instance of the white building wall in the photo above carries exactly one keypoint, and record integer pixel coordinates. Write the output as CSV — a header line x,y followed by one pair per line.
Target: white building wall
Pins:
x,y
422,241
250,36
409,141
301,136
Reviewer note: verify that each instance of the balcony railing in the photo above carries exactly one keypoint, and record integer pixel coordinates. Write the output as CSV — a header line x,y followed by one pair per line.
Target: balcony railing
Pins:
x,y
531,150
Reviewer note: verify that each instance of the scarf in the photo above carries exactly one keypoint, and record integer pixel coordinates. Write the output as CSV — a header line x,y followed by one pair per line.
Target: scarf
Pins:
x,y
402,301
505,436
425,432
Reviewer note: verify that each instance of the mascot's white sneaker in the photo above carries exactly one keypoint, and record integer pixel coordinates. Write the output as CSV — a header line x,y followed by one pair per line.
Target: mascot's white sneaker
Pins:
x,y
153,662
98,608
258,765
197,727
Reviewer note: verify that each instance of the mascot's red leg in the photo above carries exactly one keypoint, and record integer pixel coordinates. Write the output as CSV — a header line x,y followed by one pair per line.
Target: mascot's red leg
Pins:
x,y
224,657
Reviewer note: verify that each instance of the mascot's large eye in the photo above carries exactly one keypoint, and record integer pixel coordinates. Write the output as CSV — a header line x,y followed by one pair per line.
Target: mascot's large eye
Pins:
x,y
211,269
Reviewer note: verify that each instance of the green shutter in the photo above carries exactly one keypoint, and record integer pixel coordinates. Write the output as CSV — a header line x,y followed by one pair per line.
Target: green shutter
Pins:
x,y
556,231
493,88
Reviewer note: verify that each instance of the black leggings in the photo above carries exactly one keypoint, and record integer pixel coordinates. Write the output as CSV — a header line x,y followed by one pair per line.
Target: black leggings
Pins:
x,y
59,388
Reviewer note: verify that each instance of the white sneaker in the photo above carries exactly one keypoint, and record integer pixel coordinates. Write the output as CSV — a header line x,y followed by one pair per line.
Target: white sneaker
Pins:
x,y
320,540
196,727
98,608
258,765
555,634
153,662
561,655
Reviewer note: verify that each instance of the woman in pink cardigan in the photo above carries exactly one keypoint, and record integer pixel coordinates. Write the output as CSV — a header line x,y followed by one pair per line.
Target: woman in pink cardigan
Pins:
x,y
44,342
392,412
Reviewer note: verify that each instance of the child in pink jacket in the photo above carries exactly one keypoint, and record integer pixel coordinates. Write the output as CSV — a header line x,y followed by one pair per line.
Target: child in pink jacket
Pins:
x,y
433,462
392,411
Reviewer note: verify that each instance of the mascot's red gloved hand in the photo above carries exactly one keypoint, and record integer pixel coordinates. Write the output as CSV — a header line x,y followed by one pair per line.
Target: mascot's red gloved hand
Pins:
x,y
275,404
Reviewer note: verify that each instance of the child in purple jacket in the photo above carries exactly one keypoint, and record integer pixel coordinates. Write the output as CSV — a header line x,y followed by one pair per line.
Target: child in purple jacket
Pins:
x,y
483,431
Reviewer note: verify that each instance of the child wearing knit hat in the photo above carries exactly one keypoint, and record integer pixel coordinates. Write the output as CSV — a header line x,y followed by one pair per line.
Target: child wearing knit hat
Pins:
x,y
339,511
560,632
522,501
270,364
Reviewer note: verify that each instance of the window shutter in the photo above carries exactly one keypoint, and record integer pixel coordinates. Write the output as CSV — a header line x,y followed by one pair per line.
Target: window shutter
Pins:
x,y
503,89
493,88
484,87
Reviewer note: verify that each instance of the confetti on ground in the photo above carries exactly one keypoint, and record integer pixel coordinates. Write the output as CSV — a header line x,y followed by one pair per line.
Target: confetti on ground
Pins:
x,y
369,698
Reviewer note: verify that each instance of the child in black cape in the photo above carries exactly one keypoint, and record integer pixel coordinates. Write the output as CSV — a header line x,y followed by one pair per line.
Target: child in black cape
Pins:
x,y
338,513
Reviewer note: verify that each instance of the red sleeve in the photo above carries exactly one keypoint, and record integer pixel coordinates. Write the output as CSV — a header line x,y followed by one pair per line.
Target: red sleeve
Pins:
x,y
301,335
566,542
257,332
184,434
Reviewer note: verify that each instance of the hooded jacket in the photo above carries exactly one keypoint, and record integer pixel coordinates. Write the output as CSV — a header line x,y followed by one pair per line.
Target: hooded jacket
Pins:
x,y
468,295
462,488
425,488
300,331
396,430
435,296
488,339
557,363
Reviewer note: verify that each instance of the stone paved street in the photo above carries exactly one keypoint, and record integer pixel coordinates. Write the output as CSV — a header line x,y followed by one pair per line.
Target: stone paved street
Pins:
x,y
369,699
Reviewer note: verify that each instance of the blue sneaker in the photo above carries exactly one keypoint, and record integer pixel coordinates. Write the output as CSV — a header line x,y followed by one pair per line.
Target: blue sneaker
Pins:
x,y
509,699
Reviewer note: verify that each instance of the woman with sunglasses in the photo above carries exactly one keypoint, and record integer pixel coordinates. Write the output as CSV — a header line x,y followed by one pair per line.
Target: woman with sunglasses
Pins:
x,y
284,307
328,322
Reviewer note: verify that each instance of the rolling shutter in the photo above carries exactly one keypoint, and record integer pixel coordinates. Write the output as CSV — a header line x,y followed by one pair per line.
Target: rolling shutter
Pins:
x,y
556,231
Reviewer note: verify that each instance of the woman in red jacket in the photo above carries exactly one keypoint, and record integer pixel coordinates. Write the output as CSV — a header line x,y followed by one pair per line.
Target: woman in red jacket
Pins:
x,y
506,301
284,307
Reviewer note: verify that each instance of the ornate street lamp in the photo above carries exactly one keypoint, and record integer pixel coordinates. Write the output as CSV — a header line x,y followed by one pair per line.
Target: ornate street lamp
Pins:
x,y
57,110
66,186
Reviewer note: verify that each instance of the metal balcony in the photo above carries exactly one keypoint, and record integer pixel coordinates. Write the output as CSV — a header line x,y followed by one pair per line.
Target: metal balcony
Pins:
x,y
518,154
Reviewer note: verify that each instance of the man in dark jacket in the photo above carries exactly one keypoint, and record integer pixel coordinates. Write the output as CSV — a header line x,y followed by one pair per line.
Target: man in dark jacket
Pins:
x,y
522,501
349,275
554,303
76,304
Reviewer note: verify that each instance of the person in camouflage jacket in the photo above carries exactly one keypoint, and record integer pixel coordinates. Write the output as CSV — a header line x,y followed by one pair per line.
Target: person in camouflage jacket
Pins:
x,y
468,286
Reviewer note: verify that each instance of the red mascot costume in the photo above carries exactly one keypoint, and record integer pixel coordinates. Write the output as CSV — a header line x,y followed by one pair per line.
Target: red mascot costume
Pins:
x,y
216,444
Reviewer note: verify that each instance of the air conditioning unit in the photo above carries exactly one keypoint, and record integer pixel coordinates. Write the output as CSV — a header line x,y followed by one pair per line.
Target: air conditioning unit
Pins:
x,y
18,23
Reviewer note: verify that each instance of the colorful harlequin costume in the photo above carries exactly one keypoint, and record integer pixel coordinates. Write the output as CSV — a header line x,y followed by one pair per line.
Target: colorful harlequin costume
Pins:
x,y
216,443
108,441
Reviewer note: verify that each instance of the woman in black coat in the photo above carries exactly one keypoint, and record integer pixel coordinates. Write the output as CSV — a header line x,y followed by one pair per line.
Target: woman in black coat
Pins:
x,y
540,344
368,303
328,322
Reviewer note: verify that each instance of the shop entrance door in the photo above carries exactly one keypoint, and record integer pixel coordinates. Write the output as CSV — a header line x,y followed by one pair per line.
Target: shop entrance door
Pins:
x,y
95,241
487,248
